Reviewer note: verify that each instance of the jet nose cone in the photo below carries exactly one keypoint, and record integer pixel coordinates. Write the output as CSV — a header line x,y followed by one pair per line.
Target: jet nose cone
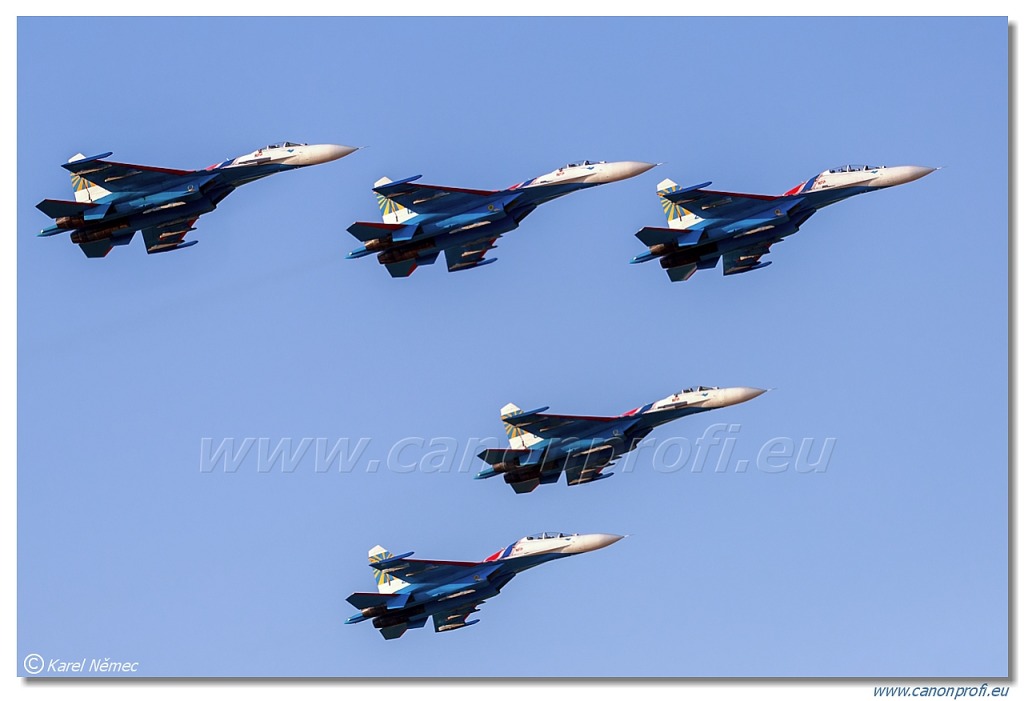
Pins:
x,y
636,168
619,170
917,172
605,539
907,174
332,152
630,169
595,541
737,395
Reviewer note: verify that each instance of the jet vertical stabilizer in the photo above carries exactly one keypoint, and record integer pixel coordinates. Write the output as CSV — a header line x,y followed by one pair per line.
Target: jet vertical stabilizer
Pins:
x,y
673,212
391,212
517,437
386,583
85,191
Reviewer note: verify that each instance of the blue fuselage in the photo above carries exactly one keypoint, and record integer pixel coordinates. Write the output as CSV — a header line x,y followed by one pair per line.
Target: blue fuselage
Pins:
x,y
779,218
120,214
437,231
610,439
475,583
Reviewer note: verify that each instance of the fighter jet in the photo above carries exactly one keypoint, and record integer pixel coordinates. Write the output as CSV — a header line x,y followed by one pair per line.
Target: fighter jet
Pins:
x,y
420,221
705,225
410,591
114,200
543,446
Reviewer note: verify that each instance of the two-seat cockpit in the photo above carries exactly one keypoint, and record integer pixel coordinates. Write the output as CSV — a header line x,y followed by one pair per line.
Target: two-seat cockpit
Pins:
x,y
684,397
581,164
853,169
536,543
844,176
546,536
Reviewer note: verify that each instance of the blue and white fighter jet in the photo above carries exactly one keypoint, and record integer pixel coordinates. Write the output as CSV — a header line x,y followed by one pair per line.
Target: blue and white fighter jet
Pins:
x,y
114,200
706,225
543,446
411,591
421,221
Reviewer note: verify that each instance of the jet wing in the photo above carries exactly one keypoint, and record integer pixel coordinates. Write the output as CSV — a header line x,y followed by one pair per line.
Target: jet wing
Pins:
x,y
168,237
557,425
469,256
427,199
417,571
584,467
745,259
582,475
454,619
125,177
714,204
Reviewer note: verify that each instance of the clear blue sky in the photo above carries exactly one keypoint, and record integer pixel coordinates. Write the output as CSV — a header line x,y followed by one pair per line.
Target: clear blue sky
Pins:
x,y
883,324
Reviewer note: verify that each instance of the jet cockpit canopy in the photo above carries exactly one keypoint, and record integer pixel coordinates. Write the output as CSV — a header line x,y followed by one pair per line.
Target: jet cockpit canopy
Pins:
x,y
852,168
547,535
